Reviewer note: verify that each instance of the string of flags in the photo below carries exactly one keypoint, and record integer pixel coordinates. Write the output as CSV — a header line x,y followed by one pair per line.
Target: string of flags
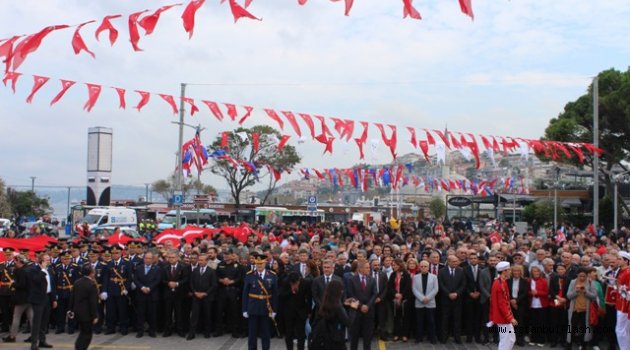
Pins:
x,y
423,140
17,48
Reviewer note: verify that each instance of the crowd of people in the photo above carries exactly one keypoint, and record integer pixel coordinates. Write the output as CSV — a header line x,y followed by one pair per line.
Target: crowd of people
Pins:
x,y
422,282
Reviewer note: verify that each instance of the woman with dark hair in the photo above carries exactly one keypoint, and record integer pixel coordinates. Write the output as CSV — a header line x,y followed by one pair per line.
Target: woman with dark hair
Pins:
x,y
296,303
400,295
332,319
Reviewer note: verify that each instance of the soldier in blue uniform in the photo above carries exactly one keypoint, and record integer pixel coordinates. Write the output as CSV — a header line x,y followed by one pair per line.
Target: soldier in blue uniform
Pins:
x,y
98,267
260,300
116,286
67,273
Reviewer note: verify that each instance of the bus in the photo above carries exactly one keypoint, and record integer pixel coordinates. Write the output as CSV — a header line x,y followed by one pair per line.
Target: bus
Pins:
x,y
280,214
188,217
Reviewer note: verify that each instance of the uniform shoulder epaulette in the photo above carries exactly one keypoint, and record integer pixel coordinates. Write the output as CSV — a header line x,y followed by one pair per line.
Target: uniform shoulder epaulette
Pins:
x,y
272,272
75,264
126,259
249,272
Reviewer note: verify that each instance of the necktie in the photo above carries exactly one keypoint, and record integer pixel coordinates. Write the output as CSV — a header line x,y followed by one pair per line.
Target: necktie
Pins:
x,y
451,272
434,270
203,270
376,280
363,282
475,272
327,280
146,269
173,270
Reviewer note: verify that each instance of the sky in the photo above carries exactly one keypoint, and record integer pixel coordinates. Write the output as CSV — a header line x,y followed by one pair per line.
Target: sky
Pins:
x,y
507,73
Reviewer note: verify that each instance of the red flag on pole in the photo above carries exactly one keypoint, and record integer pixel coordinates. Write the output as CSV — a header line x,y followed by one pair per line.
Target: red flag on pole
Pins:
x,y
188,16
121,97
65,85
77,41
144,99
38,82
171,102
94,90
107,25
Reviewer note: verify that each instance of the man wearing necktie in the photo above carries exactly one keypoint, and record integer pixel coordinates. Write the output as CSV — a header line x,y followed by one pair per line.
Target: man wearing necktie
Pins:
x,y
147,279
362,287
319,283
260,300
472,306
380,280
203,285
175,277
452,284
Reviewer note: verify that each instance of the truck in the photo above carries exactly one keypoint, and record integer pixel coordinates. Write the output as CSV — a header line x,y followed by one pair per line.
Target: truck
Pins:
x,y
111,217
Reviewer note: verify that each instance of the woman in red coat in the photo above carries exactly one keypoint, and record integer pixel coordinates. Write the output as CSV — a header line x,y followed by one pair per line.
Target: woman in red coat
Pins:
x,y
538,303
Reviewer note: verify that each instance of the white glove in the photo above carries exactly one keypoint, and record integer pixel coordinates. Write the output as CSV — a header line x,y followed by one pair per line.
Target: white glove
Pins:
x,y
245,314
273,315
133,286
103,296
124,292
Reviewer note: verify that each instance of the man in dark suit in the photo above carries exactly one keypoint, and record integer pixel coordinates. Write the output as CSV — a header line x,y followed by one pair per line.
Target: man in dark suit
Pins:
x,y
380,279
452,286
147,279
175,278
319,283
472,306
362,287
84,306
203,284
296,297
41,296
518,287
230,275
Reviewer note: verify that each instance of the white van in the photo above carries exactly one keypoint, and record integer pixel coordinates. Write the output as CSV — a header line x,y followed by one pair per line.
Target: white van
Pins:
x,y
113,216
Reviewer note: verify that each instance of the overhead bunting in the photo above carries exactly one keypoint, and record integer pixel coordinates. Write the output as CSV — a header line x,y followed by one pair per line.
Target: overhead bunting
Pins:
x,y
465,143
78,44
107,25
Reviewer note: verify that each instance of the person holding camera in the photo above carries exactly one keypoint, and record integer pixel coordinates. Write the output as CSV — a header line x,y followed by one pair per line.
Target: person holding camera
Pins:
x,y
83,306
581,293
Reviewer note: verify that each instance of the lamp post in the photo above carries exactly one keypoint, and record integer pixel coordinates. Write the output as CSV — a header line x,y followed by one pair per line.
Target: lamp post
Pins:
x,y
33,183
616,180
555,199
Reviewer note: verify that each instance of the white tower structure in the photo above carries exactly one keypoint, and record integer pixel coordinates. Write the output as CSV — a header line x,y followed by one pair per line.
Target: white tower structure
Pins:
x,y
99,166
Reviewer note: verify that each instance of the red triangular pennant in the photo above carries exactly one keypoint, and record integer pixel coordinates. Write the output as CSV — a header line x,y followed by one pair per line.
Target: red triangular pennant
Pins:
x,y
30,44
171,102
309,123
248,113
239,12
107,25
38,82
94,90
188,16
134,35
78,44
65,85
294,124
144,99
283,142
214,108
193,107
13,76
121,97
409,10
273,115
149,22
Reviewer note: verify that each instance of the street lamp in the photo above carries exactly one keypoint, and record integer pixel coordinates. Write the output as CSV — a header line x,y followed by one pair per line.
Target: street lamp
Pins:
x,y
555,199
616,180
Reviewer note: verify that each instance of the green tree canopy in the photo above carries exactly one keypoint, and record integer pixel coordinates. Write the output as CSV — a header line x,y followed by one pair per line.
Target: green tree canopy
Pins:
x,y
437,207
240,149
26,203
5,205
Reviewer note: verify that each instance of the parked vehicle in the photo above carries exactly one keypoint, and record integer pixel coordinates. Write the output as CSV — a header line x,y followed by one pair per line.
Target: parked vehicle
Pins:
x,y
188,217
111,217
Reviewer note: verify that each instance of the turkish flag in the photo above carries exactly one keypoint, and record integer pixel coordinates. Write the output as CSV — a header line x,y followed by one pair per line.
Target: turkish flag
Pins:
x,y
107,25
231,111
430,138
145,96
466,6
171,102
224,139
424,146
309,123
325,129
291,117
193,107
94,90
238,11
361,140
414,140
31,43
149,22
6,50
283,142
77,41
255,141
134,35
248,113
13,76
65,85
121,97
214,108
409,10
273,115
188,16
39,81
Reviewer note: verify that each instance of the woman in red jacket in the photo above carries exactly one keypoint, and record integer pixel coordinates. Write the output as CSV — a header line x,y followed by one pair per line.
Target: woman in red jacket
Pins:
x,y
500,310
538,303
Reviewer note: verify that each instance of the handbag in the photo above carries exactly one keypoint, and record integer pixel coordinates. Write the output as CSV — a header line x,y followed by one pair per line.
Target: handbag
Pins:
x,y
593,316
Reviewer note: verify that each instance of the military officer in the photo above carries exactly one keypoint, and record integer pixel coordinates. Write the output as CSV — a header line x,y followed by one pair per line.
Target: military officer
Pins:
x,y
260,299
98,267
116,286
75,251
67,273
7,270
54,256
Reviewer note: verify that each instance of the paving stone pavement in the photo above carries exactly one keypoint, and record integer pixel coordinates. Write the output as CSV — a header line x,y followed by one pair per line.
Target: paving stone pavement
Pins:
x,y
130,342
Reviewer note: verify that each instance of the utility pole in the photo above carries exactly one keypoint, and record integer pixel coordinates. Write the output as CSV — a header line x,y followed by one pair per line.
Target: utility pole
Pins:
x,y
596,155
33,183
180,155
146,196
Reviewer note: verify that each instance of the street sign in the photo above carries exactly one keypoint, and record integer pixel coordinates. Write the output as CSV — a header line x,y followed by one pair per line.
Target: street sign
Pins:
x,y
311,203
459,201
178,198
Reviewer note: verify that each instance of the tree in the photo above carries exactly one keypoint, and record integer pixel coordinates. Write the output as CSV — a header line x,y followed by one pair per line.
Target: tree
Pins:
x,y
166,187
5,205
26,203
437,207
252,166
575,123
